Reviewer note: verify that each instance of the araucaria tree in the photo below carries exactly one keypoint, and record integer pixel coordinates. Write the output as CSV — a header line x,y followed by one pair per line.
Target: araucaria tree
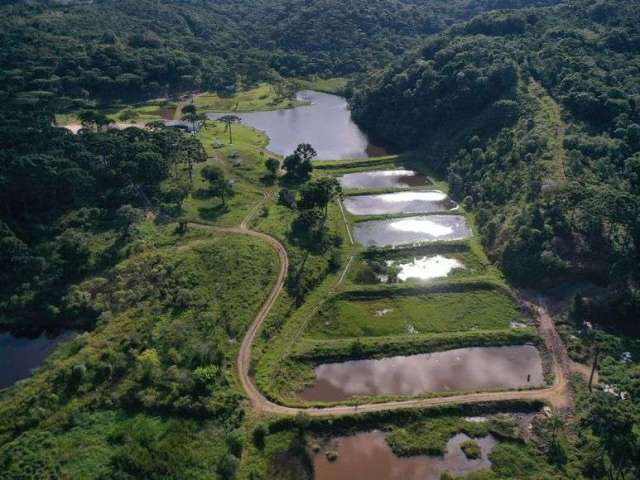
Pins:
x,y
219,186
228,120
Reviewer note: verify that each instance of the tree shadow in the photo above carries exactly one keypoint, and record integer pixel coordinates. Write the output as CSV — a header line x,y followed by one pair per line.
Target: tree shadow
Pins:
x,y
268,180
212,213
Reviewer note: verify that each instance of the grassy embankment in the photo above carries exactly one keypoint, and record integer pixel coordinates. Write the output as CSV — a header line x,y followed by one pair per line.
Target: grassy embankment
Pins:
x,y
360,321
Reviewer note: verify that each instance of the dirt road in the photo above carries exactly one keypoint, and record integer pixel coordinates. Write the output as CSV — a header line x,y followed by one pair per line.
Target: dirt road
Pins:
x,y
557,394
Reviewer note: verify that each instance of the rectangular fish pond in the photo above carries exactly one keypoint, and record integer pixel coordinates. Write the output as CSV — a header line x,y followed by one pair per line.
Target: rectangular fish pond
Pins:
x,y
399,202
397,178
463,369
411,230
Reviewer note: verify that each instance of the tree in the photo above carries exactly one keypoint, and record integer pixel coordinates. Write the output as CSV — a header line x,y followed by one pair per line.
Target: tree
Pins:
x,y
192,152
306,152
298,164
228,120
273,165
291,164
90,118
219,186
319,193
612,420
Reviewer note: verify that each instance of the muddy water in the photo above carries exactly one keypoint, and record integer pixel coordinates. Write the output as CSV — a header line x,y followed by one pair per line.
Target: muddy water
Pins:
x,y
463,369
20,355
326,124
367,456
426,268
411,230
399,202
399,178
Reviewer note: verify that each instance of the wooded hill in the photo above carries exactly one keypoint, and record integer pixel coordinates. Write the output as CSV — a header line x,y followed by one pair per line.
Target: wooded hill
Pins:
x,y
145,48
534,116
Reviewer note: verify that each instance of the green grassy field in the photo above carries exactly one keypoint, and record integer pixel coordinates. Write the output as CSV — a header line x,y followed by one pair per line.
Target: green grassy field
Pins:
x,y
405,315
262,97
328,85
243,163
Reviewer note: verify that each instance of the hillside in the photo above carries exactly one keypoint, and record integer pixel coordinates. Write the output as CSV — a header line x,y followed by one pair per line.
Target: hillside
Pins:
x,y
130,49
534,117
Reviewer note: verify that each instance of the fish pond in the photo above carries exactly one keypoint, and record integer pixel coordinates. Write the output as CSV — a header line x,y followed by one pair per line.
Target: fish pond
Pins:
x,y
399,203
411,230
364,314
462,369
398,178
368,456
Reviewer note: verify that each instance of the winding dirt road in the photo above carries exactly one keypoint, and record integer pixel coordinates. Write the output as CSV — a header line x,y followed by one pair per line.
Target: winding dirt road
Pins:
x,y
557,394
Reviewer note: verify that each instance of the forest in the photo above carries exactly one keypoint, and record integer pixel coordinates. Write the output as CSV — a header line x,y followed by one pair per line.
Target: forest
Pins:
x,y
555,195
126,49
135,236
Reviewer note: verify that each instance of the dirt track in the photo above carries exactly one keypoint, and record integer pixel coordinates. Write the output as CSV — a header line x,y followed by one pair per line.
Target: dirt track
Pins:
x,y
557,394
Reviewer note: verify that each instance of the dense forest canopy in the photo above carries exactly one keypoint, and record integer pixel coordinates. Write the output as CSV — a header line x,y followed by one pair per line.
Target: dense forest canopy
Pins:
x,y
145,48
529,108
534,117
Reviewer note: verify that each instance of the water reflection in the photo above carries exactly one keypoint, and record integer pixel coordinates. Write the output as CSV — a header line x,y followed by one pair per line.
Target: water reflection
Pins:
x,y
399,202
367,456
399,178
463,369
411,230
326,124
426,268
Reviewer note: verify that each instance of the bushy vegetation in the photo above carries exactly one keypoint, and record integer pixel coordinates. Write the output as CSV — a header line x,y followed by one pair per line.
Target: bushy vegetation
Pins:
x,y
164,347
70,203
430,437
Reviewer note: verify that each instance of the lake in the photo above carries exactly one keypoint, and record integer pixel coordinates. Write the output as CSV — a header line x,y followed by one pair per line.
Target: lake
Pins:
x,y
326,124
20,355
367,456
462,369
410,230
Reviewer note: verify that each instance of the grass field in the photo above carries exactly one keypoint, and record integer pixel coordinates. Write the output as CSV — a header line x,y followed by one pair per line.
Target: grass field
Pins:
x,y
328,85
262,97
243,163
401,315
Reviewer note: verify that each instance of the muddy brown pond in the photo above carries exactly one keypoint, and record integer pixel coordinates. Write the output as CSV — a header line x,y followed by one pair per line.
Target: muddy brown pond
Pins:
x,y
399,231
399,178
367,456
462,369
399,202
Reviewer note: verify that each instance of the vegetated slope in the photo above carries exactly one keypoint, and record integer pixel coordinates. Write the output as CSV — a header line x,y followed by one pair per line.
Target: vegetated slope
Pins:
x,y
480,101
69,204
150,392
145,48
